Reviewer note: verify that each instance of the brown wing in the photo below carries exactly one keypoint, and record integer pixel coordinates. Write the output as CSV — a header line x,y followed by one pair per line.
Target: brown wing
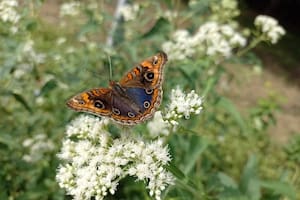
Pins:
x,y
148,74
96,101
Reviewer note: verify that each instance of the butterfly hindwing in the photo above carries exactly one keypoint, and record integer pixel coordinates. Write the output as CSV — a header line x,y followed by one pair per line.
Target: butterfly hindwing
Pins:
x,y
141,96
137,107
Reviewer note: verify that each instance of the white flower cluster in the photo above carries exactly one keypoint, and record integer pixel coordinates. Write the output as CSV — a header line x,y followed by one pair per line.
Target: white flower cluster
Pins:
x,y
29,53
69,9
158,126
9,14
170,15
94,163
181,46
182,105
269,28
38,146
129,12
27,57
224,10
61,40
211,39
86,126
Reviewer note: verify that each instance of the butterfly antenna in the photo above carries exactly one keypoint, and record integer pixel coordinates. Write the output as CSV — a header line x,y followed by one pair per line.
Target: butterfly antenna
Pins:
x,y
110,68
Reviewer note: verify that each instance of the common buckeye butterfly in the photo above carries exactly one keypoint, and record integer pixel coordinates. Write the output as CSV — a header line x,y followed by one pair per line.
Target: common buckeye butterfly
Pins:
x,y
132,100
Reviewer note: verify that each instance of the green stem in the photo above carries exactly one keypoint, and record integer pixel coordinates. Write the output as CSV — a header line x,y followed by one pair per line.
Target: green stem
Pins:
x,y
250,46
192,190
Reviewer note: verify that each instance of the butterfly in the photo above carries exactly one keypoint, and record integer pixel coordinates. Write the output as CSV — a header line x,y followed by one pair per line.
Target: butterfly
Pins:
x,y
130,101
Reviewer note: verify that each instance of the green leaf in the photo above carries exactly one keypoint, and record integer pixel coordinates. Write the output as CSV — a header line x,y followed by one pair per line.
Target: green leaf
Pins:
x,y
180,175
8,140
197,146
161,27
175,171
22,101
211,82
31,25
253,189
249,180
227,181
228,105
279,187
48,86
185,74
89,27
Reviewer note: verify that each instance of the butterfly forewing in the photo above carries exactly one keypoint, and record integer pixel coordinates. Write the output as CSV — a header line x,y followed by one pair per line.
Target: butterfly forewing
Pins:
x,y
147,74
95,101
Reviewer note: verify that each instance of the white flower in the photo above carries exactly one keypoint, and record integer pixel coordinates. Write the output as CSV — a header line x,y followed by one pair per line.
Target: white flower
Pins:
x,y
28,46
37,147
158,126
70,50
211,39
94,163
224,10
227,30
57,57
61,40
13,29
215,39
238,40
29,54
170,15
40,100
181,46
70,8
8,11
182,105
269,28
129,12
21,70
86,127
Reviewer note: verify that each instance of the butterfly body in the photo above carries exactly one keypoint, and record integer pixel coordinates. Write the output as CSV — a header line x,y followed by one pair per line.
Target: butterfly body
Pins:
x,y
132,100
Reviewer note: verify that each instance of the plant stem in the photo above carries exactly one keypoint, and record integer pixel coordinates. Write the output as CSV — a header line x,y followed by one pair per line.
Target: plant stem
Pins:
x,y
115,23
250,46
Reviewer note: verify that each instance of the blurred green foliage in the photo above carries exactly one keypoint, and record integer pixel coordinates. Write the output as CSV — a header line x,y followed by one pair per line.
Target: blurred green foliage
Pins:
x,y
220,154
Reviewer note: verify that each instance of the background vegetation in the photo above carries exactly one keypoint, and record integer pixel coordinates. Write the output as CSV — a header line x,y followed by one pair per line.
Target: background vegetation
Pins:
x,y
49,53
